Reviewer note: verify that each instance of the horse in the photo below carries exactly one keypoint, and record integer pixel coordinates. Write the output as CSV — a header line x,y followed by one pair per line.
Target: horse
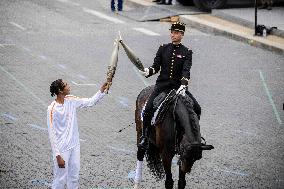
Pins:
x,y
178,132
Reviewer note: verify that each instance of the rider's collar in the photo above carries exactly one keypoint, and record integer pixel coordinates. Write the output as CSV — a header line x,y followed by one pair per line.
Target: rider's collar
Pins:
x,y
176,45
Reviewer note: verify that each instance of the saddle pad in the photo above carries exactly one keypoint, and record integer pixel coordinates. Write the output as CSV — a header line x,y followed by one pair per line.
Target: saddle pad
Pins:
x,y
164,99
153,120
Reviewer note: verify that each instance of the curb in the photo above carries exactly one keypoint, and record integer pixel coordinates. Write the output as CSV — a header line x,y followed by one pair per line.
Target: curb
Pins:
x,y
243,31
243,22
138,3
256,41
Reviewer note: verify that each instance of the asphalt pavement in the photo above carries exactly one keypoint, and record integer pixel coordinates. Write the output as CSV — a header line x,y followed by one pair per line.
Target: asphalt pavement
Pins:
x,y
239,87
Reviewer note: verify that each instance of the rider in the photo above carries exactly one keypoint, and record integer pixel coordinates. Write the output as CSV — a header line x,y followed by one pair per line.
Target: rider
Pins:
x,y
174,60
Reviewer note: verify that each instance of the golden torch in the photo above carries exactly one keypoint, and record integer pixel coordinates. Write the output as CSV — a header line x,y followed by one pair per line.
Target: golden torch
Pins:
x,y
132,57
113,64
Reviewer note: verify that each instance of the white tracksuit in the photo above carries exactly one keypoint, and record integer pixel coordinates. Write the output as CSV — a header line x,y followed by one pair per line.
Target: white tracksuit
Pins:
x,y
64,138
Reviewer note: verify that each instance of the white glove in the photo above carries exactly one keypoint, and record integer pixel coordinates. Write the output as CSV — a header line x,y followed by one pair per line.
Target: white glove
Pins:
x,y
181,90
145,73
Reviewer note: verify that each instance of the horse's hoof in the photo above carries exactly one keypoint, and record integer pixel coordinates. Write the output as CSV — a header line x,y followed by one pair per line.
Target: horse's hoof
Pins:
x,y
136,186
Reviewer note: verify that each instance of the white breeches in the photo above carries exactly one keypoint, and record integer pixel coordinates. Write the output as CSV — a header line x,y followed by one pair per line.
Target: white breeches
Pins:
x,y
70,174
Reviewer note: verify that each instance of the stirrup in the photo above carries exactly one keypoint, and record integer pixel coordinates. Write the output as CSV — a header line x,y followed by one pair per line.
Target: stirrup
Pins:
x,y
205,146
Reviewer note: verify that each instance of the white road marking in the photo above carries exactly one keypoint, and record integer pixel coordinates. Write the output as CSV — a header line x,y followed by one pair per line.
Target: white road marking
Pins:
x,y
63,1
69,2
232,172
121,150
270,98
9,116
5,44
26,89
27,49
17,25
41,182
37,127
82,84
103,16
61,66
75,4
146,31
82,76
42,57
131,174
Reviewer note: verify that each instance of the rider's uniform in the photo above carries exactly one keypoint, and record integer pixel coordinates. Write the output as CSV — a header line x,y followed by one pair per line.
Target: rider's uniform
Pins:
x,y
174,63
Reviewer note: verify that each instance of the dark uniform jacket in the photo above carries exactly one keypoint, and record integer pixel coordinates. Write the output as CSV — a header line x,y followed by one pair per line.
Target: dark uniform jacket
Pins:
x,y
175,62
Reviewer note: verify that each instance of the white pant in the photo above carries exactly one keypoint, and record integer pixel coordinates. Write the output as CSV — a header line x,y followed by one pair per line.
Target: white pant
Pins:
x,y
69,174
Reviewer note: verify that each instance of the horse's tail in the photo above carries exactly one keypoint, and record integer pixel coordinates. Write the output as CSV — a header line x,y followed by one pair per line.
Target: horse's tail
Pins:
x,y
154,162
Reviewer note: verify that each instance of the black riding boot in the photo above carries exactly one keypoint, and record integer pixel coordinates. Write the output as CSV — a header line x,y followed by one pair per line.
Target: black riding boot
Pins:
x,y
145,131
144,139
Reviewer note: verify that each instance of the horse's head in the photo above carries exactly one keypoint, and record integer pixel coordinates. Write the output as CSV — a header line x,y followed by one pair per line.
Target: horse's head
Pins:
x,y
189,132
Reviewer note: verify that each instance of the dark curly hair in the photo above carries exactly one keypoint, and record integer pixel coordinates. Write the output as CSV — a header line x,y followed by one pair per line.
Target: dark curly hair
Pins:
x,y
56,86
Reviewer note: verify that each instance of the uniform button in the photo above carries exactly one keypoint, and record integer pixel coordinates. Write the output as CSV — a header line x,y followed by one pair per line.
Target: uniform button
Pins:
x,y
173,53
170,76
172,60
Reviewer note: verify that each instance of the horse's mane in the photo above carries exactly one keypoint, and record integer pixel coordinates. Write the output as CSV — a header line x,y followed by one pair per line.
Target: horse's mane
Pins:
x,y
187,101
191,149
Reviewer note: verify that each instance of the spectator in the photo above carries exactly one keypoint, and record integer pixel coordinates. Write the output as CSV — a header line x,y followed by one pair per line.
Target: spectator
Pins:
x,y
266,4
119,5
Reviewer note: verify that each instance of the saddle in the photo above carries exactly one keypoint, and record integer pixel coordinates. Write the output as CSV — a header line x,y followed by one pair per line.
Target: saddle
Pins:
x,y
161,105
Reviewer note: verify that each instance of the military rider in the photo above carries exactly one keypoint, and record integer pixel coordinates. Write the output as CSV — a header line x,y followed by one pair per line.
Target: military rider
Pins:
x,y
174,61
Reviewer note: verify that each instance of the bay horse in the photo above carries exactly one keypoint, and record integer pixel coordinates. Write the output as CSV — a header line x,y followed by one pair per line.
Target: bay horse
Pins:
x,y
177,133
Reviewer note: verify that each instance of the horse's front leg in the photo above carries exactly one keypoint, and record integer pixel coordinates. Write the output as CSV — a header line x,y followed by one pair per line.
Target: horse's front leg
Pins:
x,y
184,168
139,166
181,179
167,163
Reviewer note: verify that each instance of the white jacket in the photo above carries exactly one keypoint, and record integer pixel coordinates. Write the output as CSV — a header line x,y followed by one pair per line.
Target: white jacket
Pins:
x,y
62,122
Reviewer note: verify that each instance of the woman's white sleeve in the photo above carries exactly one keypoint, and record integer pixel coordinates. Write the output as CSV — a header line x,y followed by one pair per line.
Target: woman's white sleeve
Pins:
x,y
51,132
87,102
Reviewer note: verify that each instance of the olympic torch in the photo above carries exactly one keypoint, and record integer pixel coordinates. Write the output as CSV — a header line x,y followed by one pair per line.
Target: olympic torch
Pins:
x,y
113,64
132,57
